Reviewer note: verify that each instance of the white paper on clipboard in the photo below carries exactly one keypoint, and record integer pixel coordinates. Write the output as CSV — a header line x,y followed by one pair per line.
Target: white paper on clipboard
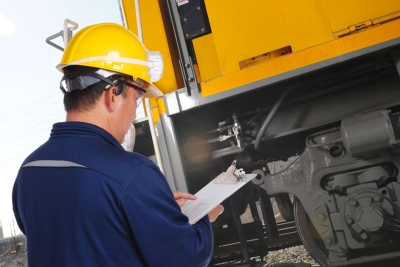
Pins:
x,y
211,196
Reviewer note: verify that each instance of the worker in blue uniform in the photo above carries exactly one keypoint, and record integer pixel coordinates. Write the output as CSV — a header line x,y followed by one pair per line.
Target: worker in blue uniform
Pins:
x,y
80,198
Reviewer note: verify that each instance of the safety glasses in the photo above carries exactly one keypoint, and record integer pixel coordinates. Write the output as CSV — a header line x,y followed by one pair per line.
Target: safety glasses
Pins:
x,y
140,90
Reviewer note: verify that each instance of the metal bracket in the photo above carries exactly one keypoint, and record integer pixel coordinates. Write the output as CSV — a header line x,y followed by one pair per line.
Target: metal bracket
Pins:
x,y
66,34
185,61
231,176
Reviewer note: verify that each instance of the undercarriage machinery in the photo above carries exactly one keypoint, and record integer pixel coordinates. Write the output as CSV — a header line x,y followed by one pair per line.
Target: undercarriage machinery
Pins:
x,y
311,83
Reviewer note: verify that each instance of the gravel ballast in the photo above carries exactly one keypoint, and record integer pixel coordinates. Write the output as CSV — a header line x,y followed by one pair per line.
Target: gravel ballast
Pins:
x,y
297,254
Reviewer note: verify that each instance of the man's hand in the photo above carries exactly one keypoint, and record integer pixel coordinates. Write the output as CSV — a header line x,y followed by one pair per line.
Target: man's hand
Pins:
x,y
181,197
213,215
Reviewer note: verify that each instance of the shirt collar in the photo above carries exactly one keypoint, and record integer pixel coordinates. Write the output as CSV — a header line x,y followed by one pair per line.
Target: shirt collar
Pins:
x,y
83,128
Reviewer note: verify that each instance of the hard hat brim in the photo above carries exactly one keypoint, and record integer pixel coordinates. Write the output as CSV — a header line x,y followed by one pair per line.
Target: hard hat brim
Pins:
x,y
152,91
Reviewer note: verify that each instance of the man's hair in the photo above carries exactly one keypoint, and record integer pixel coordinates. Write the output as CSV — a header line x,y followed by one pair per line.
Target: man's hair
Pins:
x,y
84,100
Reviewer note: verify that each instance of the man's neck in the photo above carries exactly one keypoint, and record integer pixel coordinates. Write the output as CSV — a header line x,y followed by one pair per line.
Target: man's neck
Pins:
x,y
94,117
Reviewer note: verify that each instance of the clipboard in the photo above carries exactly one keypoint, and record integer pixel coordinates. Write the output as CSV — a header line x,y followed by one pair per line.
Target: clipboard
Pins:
x,y
211,196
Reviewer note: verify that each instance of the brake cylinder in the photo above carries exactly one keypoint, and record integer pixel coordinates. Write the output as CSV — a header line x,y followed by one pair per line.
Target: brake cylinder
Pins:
x,y
370,134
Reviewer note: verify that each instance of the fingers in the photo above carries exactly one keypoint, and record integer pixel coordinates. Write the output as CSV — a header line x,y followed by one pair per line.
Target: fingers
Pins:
x,y
184,195
181,197
181,202
213,215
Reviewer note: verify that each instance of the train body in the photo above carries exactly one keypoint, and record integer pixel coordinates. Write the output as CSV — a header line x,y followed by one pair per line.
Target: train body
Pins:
x,y
261,82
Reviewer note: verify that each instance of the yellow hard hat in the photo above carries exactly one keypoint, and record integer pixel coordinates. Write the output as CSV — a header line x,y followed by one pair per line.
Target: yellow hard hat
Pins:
x,y
112,47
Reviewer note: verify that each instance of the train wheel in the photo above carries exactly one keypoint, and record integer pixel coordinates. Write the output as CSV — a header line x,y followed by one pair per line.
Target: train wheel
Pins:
x,y
309,235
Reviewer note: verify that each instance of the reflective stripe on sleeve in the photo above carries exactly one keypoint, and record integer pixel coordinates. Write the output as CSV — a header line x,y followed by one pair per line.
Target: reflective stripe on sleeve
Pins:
x,y
52,163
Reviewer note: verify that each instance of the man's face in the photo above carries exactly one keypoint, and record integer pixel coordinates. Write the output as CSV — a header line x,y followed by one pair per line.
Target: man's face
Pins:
x,y
129,103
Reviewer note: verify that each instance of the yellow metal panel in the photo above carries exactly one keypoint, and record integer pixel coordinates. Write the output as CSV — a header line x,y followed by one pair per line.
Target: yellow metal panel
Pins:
x,y
153,102
207,58
154,37
344,13
241,31
306,57
306,23
161,106
130,16
312,55
155,114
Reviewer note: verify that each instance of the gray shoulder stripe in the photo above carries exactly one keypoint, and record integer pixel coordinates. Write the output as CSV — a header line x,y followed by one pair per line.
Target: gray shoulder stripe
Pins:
x,y
52,163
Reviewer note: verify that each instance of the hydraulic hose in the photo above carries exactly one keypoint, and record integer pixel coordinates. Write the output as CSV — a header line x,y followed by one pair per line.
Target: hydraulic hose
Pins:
x,y
226,151
268,120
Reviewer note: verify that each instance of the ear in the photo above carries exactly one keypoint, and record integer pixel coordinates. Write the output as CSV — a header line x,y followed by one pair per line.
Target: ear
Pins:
x,y
110,98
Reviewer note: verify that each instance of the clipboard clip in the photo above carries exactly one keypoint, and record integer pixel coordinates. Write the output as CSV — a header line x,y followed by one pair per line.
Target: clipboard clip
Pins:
x,y
231,176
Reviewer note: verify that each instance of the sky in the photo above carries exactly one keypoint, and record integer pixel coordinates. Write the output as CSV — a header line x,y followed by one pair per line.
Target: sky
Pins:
x,y
31,101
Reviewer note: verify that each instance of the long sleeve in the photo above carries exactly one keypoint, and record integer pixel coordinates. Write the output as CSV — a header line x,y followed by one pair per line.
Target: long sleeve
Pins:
x,y
162,233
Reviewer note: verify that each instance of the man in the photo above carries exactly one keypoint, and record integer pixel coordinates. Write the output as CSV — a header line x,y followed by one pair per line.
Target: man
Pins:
x,y
80,198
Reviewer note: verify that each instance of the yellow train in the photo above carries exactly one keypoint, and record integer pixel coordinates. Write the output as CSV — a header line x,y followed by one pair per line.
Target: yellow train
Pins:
x,y
262,82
